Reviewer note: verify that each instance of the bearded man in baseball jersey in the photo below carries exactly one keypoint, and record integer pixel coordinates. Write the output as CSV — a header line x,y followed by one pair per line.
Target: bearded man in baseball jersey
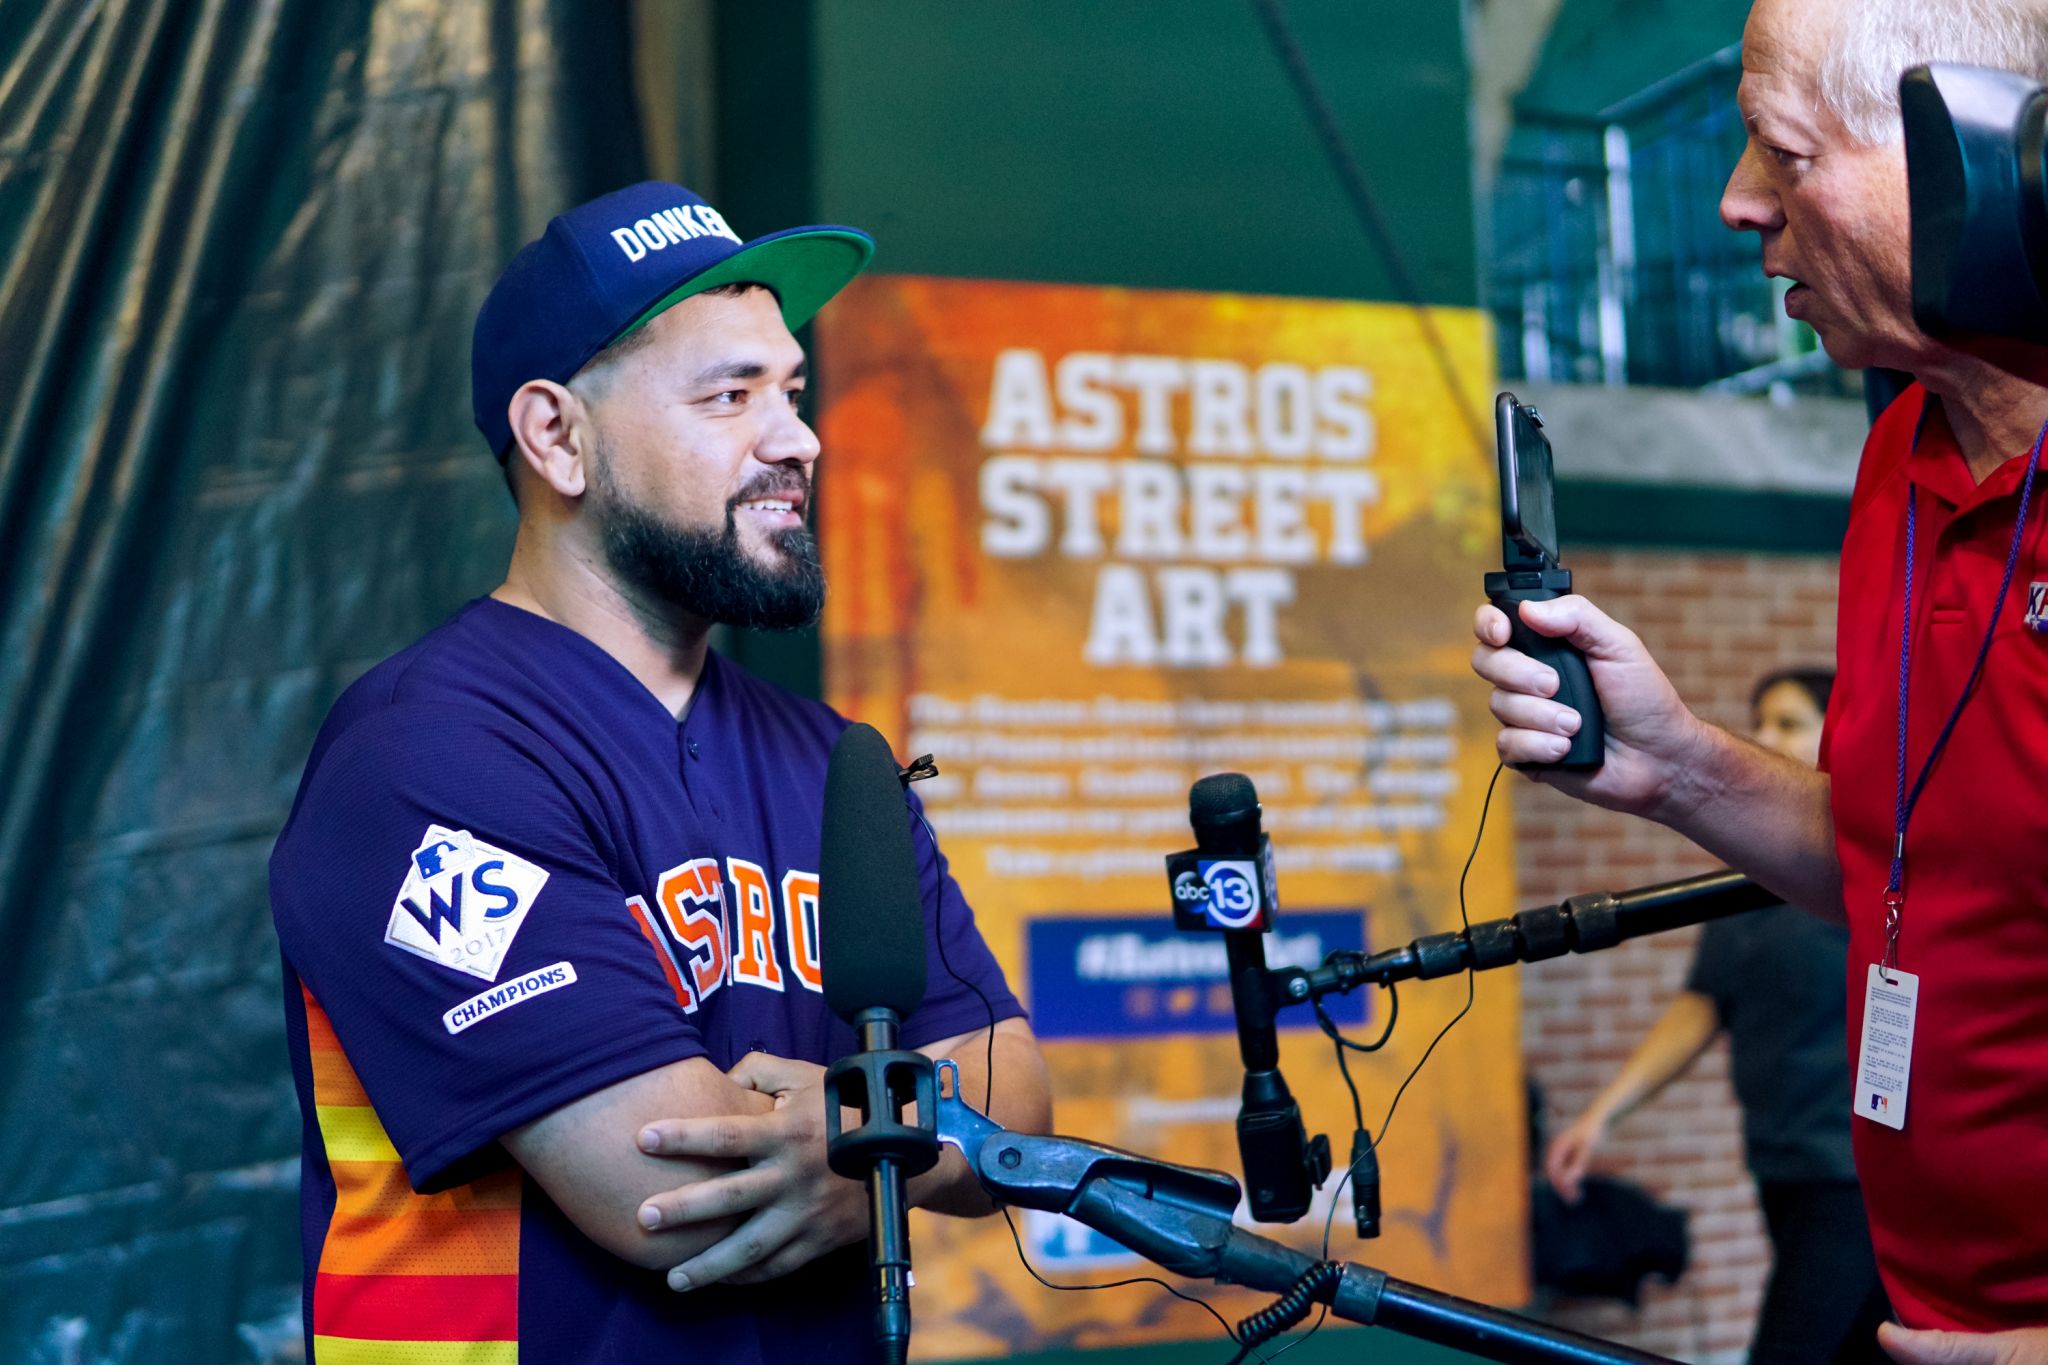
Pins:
x,y
548,895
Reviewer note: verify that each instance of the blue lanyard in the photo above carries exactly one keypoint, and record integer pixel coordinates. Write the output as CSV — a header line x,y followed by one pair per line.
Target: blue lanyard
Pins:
x,y
1895,889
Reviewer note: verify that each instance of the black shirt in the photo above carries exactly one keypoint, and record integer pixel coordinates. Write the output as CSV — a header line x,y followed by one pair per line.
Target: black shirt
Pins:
x,y
1778,980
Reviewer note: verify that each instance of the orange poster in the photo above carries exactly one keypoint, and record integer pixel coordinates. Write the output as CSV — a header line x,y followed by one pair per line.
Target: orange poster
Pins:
x,y
1087,545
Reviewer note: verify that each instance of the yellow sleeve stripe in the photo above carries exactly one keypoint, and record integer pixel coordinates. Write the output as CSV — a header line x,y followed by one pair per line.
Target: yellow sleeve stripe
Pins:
x,y
352,1133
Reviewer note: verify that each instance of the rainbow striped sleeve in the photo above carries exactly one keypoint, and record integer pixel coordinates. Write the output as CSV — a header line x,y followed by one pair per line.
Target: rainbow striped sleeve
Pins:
x,y
405,1278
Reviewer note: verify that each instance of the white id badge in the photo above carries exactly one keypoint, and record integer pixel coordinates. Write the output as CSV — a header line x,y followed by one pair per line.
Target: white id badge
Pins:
x,y
1885,1061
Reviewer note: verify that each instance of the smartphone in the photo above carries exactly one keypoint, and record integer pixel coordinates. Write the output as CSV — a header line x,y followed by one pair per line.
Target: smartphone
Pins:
x,y
1528,506
1530,571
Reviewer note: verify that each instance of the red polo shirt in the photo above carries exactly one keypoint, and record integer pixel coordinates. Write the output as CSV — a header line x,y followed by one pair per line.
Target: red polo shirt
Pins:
x,y
1958,1199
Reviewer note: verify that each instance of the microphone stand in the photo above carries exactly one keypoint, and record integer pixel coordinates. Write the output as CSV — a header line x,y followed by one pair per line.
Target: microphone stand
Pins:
x,y
1180,1218
879,1081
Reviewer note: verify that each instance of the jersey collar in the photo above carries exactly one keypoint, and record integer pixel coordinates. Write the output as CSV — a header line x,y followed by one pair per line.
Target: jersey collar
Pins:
x,y
579,663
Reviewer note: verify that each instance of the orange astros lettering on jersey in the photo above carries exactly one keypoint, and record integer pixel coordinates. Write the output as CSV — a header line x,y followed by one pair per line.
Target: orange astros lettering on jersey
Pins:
x,y
707,947
686,994
692,901
753,959
800,927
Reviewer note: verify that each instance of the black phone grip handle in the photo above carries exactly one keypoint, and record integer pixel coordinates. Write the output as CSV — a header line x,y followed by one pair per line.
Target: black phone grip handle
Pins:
x,y
1574,682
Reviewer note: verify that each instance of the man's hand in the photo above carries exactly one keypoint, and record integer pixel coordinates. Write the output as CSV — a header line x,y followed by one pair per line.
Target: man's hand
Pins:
x,y
1652,739
582,1154
2023,1346
1766,814
795,1208
1571,1154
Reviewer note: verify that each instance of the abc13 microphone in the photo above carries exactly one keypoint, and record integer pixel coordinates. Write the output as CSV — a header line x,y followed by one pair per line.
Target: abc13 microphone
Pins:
x,y
1225,885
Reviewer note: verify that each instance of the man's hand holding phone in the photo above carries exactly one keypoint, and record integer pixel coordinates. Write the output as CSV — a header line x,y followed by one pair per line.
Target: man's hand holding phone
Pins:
x,y
1652,740
1586,708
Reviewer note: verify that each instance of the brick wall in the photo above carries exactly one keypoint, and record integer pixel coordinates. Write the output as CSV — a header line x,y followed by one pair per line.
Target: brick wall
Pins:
x,y
1716,622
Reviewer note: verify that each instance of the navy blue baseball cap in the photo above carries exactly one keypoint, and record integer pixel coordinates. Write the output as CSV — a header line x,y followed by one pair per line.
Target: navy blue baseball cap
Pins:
x,y
602,270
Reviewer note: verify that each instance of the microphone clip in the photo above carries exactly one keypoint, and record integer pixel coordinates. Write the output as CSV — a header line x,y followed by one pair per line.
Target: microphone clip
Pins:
x,y
880,1083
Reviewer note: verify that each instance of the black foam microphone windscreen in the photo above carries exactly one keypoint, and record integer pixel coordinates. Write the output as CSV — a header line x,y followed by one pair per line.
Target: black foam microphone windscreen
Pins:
x,y
1224,810
870,911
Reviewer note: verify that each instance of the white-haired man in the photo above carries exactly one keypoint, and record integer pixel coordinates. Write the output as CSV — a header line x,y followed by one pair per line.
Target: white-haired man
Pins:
x,y
1925,825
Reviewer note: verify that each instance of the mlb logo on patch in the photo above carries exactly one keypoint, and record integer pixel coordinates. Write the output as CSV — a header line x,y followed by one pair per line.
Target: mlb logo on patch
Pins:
x,y
2037,608
462,902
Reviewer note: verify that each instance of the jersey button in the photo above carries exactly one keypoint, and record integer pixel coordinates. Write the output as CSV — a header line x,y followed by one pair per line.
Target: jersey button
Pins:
x,y
691,745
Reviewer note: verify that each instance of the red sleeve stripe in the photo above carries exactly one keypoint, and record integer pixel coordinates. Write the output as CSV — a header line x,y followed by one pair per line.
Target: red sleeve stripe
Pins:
x,y
417,1307
354,1351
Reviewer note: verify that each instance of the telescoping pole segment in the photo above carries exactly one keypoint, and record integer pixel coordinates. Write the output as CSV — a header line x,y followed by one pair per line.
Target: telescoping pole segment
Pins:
x,y
1583,924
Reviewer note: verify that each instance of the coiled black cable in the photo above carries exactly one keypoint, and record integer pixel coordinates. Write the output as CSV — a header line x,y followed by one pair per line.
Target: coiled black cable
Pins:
x,y
1318,1284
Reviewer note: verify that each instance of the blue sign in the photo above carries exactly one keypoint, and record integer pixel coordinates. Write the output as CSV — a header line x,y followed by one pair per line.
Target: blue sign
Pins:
x,y
1134,976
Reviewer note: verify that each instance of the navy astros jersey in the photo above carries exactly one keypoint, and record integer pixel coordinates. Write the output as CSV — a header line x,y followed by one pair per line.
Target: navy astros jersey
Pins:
x,y
512,879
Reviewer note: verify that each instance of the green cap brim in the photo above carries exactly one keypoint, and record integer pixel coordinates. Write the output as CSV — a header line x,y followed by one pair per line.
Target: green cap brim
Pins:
x,y
804,266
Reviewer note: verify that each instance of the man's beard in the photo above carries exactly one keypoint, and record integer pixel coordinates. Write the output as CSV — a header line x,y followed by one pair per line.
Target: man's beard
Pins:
x,y
704,571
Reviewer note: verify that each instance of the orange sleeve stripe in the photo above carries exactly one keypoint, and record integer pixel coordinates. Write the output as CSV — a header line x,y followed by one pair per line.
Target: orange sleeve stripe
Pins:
x,y
319,1029
653,937
334,1080
378,1189
381,1227
423,1241
335,1083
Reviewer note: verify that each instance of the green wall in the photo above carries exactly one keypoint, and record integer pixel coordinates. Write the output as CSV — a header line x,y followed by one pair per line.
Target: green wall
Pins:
x,y
1152,143
1141,143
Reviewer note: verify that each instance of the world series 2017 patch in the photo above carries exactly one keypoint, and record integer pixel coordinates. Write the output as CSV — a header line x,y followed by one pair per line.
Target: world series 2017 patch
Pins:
x,y
462,902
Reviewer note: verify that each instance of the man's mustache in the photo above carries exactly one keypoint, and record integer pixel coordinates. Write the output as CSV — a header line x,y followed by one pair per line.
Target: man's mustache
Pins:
x,y
791,486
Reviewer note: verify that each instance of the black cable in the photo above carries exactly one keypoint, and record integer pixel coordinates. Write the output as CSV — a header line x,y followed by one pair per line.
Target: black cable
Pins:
x,y
1465,917
1343,1043
1322,1316
1343,1065
988,1079
1203,1304
1329,1027
1317,1284
1351,175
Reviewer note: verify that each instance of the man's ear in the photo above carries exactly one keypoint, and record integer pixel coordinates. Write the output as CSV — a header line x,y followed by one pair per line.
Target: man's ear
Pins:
x,y
552,432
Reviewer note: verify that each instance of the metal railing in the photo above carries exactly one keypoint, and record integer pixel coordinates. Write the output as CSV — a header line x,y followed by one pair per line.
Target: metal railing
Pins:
x,y
1610,264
